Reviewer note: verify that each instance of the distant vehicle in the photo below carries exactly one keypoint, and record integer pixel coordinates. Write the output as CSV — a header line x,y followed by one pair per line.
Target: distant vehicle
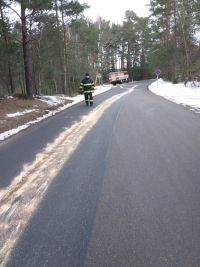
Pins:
x,y
118,77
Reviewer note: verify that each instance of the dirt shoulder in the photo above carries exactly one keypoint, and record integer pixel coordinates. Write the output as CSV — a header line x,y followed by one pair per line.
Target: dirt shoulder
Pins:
x,y
34,108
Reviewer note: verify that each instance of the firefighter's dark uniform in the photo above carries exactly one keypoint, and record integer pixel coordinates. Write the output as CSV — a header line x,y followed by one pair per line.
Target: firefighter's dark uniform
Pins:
x,y
87,87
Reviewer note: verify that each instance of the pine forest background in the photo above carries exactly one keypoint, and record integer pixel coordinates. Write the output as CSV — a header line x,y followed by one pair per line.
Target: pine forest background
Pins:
x,y
46,46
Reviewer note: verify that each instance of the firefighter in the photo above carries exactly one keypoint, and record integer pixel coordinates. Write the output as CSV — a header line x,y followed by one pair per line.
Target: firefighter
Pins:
x,y
87,87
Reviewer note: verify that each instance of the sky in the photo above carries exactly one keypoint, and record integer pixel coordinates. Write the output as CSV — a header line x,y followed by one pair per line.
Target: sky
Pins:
x,y
179,93
115,10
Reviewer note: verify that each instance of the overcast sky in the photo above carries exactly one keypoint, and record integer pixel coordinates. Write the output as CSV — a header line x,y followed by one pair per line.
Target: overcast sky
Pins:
x,y
114,10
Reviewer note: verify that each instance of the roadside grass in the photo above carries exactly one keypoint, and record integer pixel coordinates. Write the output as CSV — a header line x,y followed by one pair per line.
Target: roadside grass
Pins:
x,y
35,108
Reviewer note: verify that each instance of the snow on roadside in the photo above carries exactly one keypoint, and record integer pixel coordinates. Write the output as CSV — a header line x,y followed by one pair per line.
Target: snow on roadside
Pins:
x,y
179,93
51,101
16,114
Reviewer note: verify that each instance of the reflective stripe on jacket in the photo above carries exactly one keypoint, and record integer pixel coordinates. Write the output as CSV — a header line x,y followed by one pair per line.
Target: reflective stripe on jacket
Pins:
x,y
87,85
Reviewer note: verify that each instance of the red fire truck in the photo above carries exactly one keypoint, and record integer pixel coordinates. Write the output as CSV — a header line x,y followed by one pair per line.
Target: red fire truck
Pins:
x,y
118,77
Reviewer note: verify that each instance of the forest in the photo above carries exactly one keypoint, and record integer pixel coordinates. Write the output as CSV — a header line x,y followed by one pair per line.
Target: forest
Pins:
x,y
46,46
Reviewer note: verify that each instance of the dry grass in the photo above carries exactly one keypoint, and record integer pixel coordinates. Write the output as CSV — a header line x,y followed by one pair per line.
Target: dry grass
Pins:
x,y
13,105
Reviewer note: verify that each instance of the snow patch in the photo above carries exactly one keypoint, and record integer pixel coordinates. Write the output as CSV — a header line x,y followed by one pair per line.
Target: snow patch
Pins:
x,y
179,93
16,114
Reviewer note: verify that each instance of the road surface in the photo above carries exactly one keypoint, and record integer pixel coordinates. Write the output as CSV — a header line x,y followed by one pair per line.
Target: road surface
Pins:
x,y
116,185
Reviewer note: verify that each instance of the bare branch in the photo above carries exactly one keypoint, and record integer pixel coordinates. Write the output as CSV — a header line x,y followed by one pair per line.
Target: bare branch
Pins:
x,y
6,5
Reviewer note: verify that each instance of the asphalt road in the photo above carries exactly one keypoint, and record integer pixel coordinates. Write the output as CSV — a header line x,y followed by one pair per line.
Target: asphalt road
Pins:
x,y
127,196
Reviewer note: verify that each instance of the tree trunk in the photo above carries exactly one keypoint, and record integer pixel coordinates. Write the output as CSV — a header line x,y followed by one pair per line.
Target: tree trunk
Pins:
x,y
182,19
65,49
122,58
5,36
175,40
27,74
60,49
128,58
